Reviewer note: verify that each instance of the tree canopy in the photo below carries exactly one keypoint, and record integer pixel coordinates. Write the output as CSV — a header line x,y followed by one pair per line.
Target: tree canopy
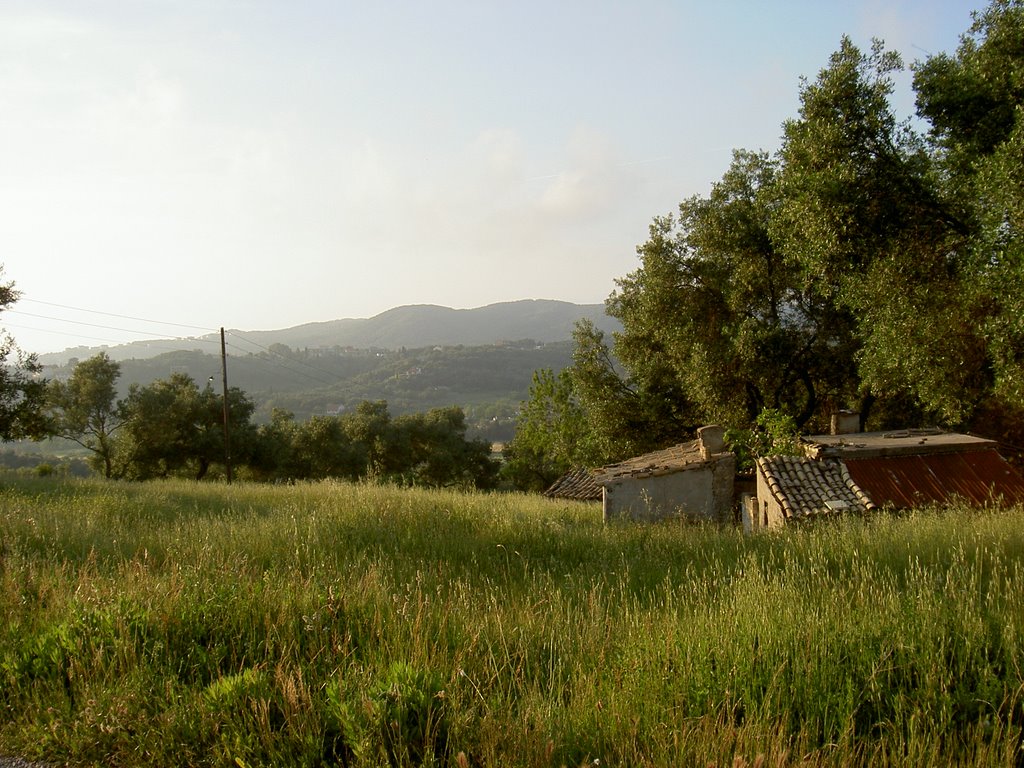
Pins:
x,y
428,449
174,428
866,264
84,409
22,388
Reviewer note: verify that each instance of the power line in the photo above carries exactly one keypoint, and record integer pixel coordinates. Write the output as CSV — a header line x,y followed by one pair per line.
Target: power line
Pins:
x,y
333,378
277,364
83,336
111,314
108,327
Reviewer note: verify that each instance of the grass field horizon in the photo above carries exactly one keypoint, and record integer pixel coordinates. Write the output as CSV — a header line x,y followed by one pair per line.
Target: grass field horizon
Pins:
x,y
178,623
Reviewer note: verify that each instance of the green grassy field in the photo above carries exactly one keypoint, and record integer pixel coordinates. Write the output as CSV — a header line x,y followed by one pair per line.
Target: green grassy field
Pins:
x,y
334,624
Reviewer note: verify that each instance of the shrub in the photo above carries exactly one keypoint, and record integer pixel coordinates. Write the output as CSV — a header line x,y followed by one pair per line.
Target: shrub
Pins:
x,y
411,715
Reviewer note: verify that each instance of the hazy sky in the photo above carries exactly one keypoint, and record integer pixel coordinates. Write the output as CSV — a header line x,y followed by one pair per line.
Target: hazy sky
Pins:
x,y
257,165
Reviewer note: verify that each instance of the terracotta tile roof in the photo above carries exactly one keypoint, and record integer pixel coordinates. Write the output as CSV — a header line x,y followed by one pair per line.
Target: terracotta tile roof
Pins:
x,y
663,462
588,483
977,476
806,487
576,484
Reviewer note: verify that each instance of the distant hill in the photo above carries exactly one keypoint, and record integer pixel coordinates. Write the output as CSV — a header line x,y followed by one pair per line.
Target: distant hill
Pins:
x,y
415,357
488,381
413,326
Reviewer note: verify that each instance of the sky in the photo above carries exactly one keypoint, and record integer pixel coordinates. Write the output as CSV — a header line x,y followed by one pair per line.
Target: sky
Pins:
x,y
170,167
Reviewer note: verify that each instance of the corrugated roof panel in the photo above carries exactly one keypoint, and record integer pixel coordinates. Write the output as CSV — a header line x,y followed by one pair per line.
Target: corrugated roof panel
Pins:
x,y
877,482
997,473
909,481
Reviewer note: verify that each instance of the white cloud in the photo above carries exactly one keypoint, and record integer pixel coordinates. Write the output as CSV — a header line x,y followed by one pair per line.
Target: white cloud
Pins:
x,y
499,159
590,183
369,179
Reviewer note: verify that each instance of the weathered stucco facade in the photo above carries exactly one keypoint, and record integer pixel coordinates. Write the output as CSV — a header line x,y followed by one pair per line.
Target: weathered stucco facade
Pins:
x,y
692,481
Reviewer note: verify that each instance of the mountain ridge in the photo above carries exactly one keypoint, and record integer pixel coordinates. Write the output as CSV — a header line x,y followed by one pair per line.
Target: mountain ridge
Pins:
x,y
411,325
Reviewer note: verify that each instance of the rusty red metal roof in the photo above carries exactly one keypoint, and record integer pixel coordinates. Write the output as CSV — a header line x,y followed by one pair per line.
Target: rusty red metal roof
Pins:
x,y
978,476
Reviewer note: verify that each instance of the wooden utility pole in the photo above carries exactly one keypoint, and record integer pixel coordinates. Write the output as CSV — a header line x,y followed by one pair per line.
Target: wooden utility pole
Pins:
x,y
227,428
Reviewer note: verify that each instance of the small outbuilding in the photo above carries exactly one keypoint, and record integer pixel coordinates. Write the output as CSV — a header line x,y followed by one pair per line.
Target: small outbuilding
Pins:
x,y
690,481
860,471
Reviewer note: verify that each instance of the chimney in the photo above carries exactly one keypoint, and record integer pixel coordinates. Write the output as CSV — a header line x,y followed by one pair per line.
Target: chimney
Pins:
x,y
711,439
845,423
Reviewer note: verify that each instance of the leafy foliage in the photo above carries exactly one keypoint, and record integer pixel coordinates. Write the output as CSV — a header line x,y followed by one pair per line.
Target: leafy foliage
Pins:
x,y
863,266
974,102
719,312
863,216
552,435
174,427
411,717
774,434
85,409
431,449
415,449
22,389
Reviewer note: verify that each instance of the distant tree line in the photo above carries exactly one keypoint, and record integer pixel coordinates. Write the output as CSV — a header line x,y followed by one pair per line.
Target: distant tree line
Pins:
x,y
488,381
175,428
864,265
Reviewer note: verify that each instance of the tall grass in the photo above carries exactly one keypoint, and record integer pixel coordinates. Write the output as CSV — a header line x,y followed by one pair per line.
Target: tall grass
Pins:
x,y
338,624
